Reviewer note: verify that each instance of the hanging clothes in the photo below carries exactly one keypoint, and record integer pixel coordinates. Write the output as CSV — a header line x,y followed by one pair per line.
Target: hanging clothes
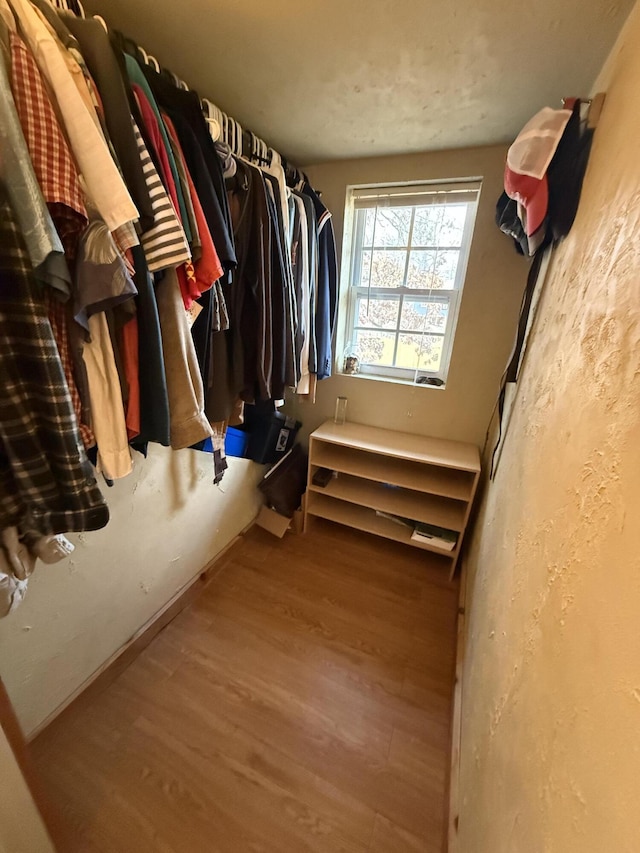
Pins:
x,y
154,399
43,243
302,281
250,305
50,156
207,268
102,283
46,482
185,111
122,221
58,178
165,243
95,47
327,285
184,383
103,181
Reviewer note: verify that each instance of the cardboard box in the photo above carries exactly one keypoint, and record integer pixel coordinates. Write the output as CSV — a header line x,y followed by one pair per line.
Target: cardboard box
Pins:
x,y
272,521
297,521
278,524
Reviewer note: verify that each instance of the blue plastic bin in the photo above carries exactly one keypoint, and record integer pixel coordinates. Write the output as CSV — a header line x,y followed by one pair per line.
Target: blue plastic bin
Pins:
x,y
236,442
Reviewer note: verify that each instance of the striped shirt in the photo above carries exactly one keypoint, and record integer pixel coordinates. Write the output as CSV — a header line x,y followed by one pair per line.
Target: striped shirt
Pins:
x,y
165,244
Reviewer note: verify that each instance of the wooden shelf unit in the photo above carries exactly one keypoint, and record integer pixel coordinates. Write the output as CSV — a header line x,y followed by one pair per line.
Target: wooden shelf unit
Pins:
x,y
424,479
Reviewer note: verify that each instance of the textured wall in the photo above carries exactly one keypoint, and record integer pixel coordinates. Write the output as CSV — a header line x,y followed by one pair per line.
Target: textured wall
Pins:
x,y
551,694
488,313
168,521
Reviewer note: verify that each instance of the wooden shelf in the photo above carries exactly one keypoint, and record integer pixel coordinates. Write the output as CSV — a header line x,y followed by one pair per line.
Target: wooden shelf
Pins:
x,y
448,482
403,445
403,502
362,518
430,480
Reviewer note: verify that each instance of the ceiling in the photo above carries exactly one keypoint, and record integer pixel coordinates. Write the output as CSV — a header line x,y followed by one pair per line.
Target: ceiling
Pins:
x,y
346,78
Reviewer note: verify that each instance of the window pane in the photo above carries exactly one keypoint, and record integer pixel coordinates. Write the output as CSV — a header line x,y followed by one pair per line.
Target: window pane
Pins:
x,y
381,313
365,269
432,269
369,216
425,225
419,352
452,225
423,315
439,225
387,269
392,226
375,347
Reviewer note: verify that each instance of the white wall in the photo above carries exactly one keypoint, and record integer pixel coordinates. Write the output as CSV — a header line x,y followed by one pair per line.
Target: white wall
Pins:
x,y
488,314
21,827
168,521
551,691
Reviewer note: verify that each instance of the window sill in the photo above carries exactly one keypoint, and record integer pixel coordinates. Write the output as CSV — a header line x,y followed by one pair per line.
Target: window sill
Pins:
x,y
388,379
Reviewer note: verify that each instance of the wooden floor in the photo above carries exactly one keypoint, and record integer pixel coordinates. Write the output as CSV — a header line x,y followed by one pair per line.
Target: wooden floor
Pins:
x,y
301,704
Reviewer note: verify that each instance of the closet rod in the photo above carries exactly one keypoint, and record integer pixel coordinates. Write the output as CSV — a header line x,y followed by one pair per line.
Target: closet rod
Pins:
x,y
222,127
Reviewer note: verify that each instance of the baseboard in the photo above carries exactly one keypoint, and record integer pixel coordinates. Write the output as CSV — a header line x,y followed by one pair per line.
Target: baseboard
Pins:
x,y
451,832
126,654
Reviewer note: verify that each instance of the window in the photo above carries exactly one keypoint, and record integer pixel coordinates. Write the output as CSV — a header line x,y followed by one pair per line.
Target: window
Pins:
x,y
406,252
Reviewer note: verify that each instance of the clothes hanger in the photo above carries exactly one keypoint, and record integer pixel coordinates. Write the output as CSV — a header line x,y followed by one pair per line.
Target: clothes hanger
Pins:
x,y
209,116
239,138
148,59
214,129
231,133
102,21
217,117
247,144
237,142
76,7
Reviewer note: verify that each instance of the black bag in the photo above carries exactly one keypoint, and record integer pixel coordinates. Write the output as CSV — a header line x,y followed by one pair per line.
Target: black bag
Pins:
x,y
284,485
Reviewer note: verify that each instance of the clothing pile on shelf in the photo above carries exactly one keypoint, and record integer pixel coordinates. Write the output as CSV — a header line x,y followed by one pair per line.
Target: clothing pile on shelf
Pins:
x,y
153,281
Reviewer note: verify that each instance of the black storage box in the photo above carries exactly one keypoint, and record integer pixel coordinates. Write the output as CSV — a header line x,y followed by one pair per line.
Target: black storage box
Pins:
x,y
271,434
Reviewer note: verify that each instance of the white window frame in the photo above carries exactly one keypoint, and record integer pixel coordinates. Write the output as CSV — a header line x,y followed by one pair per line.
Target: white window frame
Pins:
x,y
407,195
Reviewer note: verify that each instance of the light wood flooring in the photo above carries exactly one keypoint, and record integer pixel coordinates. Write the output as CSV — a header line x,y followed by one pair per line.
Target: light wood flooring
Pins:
x,y
302,703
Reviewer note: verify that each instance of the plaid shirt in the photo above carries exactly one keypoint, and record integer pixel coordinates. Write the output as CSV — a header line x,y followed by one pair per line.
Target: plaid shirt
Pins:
x,y
46,482
50,155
